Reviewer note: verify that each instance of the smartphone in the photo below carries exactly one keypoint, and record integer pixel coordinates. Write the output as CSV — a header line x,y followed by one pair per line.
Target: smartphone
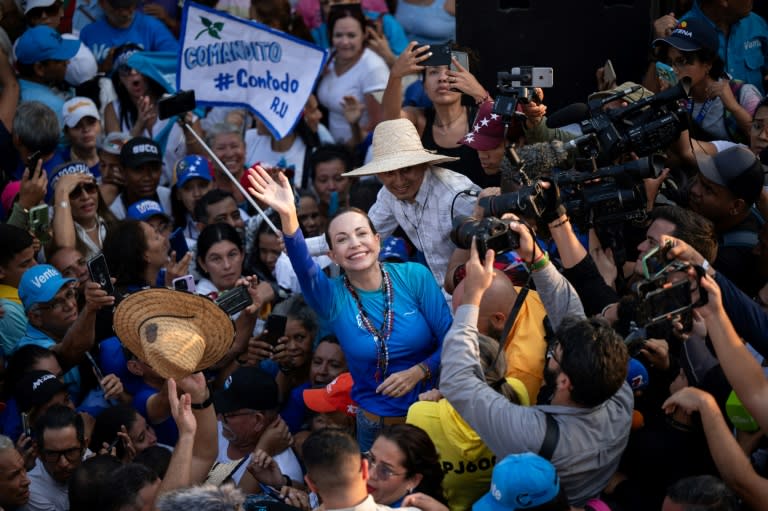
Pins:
x,y
441,56
275,328
609,74
96,368
184,283
668,301
463,59
666,73
175,104
25,426
533,76
39,223
655,261
99,271
271,492
234,300
179,243
32,160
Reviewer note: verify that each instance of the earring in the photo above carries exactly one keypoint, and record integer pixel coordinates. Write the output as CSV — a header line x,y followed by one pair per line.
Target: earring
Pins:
x,y
409,490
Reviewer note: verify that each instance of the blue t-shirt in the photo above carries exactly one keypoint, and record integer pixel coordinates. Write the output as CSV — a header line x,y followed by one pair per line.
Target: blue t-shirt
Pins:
x,y
745,50
421,320
146,31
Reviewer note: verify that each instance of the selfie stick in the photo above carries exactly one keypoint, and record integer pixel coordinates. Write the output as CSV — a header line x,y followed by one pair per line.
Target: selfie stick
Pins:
x,y
223,167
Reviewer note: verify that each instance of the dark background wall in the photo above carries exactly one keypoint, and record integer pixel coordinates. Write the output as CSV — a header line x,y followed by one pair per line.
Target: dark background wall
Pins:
x,y
574,37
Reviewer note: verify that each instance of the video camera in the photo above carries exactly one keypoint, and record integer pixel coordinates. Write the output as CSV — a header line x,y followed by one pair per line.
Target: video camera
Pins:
x,y
609,195
644,127
513,87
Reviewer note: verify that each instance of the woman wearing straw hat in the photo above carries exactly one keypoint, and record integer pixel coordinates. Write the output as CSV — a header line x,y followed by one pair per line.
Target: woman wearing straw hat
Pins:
x,y
389,318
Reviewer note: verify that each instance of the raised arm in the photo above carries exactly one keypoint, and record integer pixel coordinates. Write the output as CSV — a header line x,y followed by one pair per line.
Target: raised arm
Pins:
x,y
407,63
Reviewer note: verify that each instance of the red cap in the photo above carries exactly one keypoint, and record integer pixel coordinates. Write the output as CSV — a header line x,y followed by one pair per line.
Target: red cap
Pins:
x,y
488,130
334,397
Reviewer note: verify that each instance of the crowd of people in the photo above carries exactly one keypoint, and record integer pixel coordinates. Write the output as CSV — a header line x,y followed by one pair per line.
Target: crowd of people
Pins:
x,y
396,305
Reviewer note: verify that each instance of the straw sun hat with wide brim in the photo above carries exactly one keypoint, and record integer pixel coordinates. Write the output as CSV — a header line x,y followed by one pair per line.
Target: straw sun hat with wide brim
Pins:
x,y
176,333
396,145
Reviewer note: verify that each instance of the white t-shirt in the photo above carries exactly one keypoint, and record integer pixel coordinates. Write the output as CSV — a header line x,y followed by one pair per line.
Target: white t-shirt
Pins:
x,y
259,148
286,460
368,75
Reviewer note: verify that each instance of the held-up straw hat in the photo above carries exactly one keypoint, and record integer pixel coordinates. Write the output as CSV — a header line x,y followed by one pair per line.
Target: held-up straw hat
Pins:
x,y
396,145
176,333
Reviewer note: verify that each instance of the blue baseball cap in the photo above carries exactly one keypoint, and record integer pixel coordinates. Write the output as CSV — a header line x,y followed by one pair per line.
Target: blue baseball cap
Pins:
x,y
70,167
145,209
44,43
520,481
192,167
40,284
393,249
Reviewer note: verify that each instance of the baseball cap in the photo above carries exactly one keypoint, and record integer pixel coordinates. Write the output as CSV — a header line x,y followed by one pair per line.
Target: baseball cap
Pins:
x,y
36,388
248,387
28,5
637,375
144,210
735,168
487,131
520,481
44,43
70,167
114,142
334,397
77,108
393,249
40,284
138,151
192,167
692,34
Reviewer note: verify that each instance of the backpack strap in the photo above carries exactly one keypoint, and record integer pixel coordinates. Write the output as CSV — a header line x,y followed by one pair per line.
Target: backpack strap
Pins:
x,y
551,438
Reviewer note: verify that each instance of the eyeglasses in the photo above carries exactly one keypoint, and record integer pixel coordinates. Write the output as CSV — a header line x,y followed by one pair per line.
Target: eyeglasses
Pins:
x,y
759,125
57,304
88,188
49,11
382,471
227,416
682,61
71,455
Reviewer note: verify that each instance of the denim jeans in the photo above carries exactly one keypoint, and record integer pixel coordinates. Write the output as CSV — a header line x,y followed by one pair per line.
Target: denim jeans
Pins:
x,y
367,430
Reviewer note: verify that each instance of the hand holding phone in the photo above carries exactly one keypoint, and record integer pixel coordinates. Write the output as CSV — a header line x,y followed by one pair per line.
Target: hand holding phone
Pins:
x,y
179,243
99,271
275,328
32,161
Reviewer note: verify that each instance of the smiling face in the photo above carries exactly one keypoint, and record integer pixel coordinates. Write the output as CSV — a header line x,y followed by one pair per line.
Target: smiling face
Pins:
x,y
404,183
230,149
224,263
299,343
347,39
354,245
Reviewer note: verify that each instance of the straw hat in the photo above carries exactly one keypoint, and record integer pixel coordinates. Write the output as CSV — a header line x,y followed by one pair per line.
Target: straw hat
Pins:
x,y
396,145
176,333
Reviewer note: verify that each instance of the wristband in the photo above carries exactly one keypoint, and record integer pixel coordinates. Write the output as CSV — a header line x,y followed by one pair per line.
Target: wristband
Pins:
x,y
541,263
205,404
487,97
425,368
64,204
560,223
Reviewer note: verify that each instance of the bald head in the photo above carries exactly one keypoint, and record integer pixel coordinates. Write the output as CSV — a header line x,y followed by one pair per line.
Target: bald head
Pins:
x,y
494,306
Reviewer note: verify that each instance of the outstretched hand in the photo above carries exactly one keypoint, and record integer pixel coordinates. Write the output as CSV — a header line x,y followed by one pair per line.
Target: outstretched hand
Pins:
x,y
479,275
277,194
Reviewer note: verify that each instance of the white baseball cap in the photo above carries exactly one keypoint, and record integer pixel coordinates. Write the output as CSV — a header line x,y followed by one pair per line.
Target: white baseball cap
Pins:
x,y
77,108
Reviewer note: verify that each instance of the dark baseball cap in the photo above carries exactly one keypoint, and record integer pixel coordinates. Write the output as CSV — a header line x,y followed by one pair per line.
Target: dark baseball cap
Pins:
x,y
692,34
138,151
37,388
735,168
248,387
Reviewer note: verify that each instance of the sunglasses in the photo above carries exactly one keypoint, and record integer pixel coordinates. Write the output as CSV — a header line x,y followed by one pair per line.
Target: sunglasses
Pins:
x,y
49,11
88,188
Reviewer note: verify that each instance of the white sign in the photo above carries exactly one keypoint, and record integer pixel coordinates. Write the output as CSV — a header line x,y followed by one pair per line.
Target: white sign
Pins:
x,y
229,61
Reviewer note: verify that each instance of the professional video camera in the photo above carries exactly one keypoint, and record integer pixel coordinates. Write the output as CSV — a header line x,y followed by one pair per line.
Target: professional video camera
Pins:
x,y
490,233
609,195
644,127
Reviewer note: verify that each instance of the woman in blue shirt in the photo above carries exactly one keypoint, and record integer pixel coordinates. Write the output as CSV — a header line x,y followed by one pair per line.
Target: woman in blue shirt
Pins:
x,y
390,318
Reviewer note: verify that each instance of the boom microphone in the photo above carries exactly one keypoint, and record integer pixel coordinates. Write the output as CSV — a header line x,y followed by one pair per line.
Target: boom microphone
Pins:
x,y
570,114
542,157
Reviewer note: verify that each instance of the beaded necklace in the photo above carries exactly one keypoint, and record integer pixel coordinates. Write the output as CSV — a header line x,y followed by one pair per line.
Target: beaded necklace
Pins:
x,y
380,337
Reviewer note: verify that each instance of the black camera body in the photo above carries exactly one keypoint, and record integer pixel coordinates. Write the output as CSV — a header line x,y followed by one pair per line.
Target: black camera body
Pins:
x,y
644,127
490,233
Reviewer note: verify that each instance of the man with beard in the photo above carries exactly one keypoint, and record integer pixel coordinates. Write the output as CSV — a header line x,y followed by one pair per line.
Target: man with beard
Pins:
x,y
585,428
60,439
247,409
